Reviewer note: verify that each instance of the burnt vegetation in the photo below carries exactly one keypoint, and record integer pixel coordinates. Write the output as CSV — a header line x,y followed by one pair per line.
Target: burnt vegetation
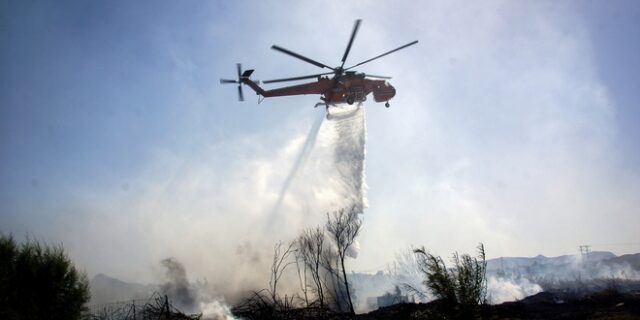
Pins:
x,y
457,290
319,255
156,307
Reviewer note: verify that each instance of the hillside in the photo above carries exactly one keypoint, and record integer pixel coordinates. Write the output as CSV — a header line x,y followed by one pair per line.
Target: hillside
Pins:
x,y
105,289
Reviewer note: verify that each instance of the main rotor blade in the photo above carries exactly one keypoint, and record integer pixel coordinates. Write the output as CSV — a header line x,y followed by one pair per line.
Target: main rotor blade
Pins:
x,y
297,78
240,95
374,76
384,54
228,81
301,57
353,35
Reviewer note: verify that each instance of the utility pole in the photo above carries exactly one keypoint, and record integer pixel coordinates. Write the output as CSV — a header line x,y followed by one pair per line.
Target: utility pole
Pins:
x,y
585,249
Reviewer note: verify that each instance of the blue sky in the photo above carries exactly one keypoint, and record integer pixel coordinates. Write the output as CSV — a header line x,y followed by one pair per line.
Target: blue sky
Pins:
x,y
515,124
611,29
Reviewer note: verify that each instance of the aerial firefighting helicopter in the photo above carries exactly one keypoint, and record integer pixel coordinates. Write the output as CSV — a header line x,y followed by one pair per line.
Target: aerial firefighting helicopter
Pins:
x,y
343,87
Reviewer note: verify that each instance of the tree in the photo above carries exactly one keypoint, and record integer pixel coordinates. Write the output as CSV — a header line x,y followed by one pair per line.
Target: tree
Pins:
x,y
462,288
332,280
310,250
343,228
278,266
39,282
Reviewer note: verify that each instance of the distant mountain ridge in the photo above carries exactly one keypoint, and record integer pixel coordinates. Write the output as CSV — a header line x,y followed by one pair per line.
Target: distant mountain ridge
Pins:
x,y
519,262
106,289
632,259
552,271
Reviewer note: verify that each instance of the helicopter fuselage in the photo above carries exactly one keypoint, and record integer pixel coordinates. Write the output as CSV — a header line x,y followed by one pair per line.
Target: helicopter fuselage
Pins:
x,y
348,88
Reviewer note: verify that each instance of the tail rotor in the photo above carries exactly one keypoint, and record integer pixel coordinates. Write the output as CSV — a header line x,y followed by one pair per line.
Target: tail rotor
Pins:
x,y
241,75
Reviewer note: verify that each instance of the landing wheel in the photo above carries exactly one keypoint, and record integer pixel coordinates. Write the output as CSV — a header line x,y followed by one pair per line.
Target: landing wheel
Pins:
x,y
350,100
387,105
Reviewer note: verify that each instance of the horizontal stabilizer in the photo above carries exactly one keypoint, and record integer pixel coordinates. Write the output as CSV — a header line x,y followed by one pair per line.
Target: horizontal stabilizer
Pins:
x,y
247,73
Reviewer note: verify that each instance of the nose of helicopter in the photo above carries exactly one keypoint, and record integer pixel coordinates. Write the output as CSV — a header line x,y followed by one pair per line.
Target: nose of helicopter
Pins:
x,y
384,92
392,91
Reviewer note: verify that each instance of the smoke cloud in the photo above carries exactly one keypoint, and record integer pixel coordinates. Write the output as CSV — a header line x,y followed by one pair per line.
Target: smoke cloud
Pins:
x,y
516,278
309,143
191,297
221,226
501,290
177,286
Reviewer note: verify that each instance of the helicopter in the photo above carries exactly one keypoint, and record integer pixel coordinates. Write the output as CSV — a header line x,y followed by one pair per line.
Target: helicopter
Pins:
x,y
344,86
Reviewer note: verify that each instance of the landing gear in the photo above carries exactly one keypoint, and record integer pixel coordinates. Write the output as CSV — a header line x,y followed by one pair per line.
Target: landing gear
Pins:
x,y
387,105
350,100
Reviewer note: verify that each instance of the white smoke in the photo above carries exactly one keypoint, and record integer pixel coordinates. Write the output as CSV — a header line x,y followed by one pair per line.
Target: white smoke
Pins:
x,y
222,225
301,160
500,289
192,297
516,278
215,310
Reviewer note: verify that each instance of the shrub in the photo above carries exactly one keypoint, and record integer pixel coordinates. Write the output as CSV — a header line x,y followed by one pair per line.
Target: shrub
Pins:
x,y
460,289
39,282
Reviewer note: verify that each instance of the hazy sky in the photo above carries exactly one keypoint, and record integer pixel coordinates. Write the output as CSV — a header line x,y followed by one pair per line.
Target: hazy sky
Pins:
x,y
514,124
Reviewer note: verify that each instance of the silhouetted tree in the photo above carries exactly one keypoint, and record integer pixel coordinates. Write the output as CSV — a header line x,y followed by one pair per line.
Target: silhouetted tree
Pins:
x,y
39,282
280,263
310,251
301,267
343,227
334,286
